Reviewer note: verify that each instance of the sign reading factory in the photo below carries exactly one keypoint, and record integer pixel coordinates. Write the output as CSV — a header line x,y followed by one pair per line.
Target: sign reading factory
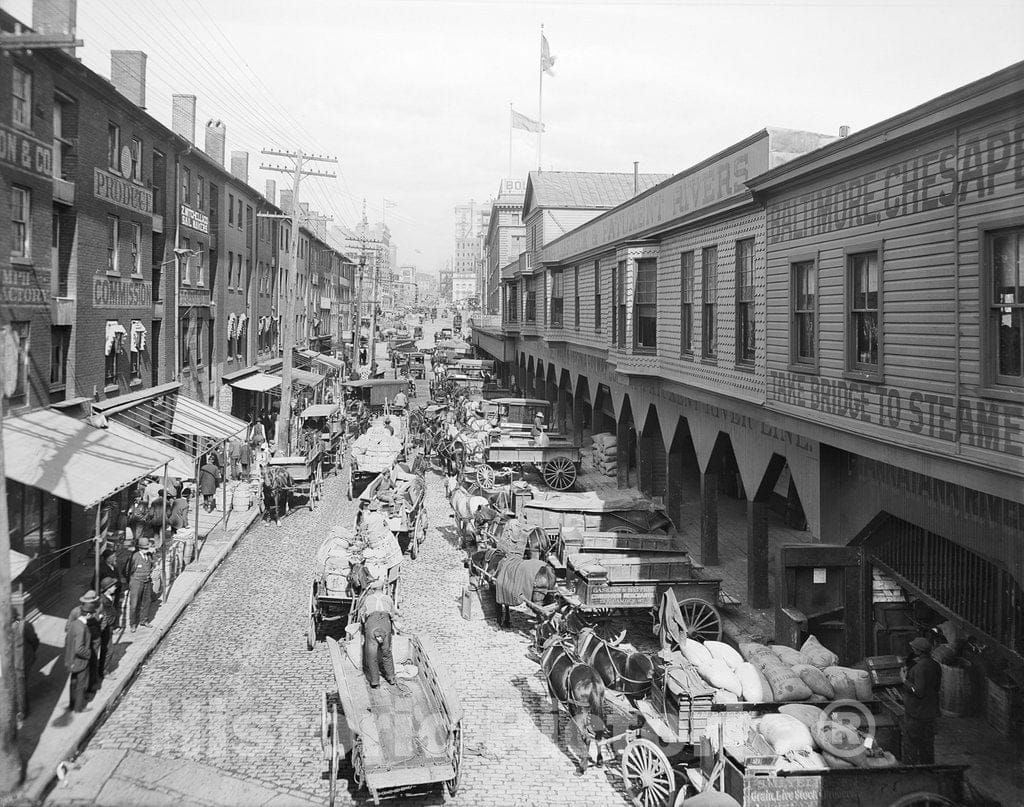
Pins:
x,y
113,293
23,151
194,219
20,287
122,192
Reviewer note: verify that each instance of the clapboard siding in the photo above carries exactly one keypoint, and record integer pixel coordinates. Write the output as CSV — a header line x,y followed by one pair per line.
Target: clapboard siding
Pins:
x,y
924,206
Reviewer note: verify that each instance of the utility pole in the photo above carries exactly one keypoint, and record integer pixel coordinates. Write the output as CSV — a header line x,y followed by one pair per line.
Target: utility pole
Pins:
x,y
298,171
357,325
372,355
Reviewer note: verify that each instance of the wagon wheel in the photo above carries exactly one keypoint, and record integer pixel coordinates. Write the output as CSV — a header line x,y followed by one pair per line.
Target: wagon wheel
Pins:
x,y
701,619
311,627
333,773
559,473
324,743
922,800
596,620
457,742
485,475
648,774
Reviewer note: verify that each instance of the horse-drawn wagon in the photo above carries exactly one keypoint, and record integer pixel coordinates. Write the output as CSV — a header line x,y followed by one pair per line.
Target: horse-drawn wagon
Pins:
x,y
304,475
416,365
375,393
401,494
323,423
375,452
400,740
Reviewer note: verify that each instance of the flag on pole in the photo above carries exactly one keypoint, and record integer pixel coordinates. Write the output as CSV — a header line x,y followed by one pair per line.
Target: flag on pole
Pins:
x,y
520,121
547,61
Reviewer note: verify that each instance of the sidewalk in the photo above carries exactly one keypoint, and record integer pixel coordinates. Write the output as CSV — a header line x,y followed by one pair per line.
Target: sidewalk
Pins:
x,y
51,733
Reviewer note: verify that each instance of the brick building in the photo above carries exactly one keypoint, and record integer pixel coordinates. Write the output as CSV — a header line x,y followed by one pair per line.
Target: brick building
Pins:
x,y
505,239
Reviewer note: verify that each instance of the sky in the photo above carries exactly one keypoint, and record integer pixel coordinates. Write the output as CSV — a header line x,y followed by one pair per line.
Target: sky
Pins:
x,y
412,96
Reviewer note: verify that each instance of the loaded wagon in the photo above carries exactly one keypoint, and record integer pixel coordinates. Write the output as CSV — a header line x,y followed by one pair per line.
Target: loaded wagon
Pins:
x,y
375,393
323,423
400,740
416,365
558,459
402,504
306,473
375,452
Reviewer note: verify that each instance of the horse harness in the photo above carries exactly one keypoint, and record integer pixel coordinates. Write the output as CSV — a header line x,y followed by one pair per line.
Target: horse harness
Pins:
x,y
590,645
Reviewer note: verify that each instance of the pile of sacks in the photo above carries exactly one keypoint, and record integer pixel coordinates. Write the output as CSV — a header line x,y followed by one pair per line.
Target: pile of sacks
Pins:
x,y
806,738
606,453
772,674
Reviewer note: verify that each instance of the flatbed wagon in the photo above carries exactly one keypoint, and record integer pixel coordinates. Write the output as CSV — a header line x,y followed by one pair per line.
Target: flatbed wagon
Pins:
x,y
558,459
400,740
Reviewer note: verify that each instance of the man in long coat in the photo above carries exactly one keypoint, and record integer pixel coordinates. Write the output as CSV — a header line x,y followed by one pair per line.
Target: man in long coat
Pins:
x,y
78,652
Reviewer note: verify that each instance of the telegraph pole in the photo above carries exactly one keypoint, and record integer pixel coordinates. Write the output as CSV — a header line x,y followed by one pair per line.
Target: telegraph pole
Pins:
x,y
298,171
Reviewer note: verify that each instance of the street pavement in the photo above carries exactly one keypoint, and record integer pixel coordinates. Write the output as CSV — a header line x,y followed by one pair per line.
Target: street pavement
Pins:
x,y
226,711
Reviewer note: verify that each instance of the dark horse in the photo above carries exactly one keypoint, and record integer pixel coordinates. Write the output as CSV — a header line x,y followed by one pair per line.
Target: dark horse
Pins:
x,y
513,580
628,672
577,686
276,482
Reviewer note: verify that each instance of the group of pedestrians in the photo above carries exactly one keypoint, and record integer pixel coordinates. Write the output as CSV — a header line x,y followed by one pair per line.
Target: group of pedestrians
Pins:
x,y
90,628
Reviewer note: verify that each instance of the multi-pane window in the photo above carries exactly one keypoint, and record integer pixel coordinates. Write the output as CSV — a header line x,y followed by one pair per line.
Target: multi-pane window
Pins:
x,y
21,97
21,332
114,147
597,296
186,259
136,159
231,208
186,185
686,311
1005,250
709,297
60,340
185,339
645,305
620,303
531,299
556,299
200,257
863,328
805,305
62,127
512,302
21,222
136,248
159,176
113,244
745,325
576,290
200,192
248,224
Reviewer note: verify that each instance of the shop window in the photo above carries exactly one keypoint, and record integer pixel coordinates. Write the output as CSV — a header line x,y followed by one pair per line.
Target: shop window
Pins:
x,y
531,300
136,249
745,319
863,325
645,306
803,335
113,244
21,331
556,299
21,98
21,222
114,147
1005,272
709,298
686,303
597,296
60,341
620,304
112,350
136,148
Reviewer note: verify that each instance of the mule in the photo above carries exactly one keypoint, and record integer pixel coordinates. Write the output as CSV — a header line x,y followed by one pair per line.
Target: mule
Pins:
x,y
578,687
625,671
276,483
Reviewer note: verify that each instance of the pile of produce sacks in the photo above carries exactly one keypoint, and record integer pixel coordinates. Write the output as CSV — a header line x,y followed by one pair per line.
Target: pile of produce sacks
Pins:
x,y
810,673
606,453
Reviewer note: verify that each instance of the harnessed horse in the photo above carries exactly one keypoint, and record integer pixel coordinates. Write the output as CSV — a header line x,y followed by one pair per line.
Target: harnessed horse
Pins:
x,y
578,687
488,564
276,483
625,671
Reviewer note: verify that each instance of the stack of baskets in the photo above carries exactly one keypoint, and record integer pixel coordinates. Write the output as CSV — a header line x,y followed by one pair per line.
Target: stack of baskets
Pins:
x,y
605,454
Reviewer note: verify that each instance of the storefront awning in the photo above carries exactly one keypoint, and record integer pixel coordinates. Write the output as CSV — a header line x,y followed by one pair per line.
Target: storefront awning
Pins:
x,y
260,382
303,377
199,420
73,460
181,465
329,362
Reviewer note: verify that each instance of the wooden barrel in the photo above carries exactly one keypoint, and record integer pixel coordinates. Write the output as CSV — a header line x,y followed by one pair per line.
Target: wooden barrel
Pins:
x,y
956,694
242,498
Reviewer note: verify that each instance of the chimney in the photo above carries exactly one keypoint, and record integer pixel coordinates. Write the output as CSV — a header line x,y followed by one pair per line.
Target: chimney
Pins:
x,y
271,193
128,75
183,116
216,134
844,131
57,18
304,207
636,177
286,201
240,165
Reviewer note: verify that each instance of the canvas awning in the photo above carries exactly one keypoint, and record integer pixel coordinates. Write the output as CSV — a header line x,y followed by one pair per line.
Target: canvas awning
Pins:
x,y
329,362
303,377
320,410
73,460
195,419
259,382
182,465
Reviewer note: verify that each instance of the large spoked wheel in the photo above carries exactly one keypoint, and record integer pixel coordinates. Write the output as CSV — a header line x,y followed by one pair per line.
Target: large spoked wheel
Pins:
x,y
597,620
648,774
325,740
923,800
559,473
335,758
701,619
311,627
485,476
452,784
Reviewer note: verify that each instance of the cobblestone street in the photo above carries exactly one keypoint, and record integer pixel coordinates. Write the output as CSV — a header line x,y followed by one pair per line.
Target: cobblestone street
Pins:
x,y
233,687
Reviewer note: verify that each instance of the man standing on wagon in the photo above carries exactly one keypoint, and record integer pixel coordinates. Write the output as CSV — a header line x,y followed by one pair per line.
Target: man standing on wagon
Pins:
x,y
376,612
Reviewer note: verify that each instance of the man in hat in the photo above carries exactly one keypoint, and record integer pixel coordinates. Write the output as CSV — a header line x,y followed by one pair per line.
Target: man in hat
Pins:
x,y
538,426
922,678
78,650
209,479
140,585
107,616
376,612
401,400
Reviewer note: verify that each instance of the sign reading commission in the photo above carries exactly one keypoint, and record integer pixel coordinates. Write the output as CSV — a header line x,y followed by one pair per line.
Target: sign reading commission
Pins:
x,y
122,192
114,293
194,219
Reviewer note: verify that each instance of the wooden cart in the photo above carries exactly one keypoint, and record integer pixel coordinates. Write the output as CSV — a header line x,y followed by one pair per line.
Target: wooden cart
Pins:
x,y
399,742
306,473
324,423
558,461
406,516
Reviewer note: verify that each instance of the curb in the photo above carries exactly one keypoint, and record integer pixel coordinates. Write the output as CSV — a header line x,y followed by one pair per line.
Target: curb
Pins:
x,y
41,773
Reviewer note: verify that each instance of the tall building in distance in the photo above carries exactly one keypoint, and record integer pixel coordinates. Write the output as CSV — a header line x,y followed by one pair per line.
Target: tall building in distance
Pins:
x,y
427,287
471,221
406,289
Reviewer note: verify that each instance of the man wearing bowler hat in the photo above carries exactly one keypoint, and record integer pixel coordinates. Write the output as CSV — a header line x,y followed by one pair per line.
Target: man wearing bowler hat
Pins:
x,y
140,585
922,678
78,649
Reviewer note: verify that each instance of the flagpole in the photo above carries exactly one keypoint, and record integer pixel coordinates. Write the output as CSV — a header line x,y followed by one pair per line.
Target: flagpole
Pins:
x,y
540,94
510,140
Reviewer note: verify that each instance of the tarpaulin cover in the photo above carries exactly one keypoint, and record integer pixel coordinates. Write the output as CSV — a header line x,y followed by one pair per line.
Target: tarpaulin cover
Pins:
x,y
182,465
200,420
73,460
592,502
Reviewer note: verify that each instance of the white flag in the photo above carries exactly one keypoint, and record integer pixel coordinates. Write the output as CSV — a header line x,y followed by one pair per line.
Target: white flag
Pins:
x,y
520,121
547,61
